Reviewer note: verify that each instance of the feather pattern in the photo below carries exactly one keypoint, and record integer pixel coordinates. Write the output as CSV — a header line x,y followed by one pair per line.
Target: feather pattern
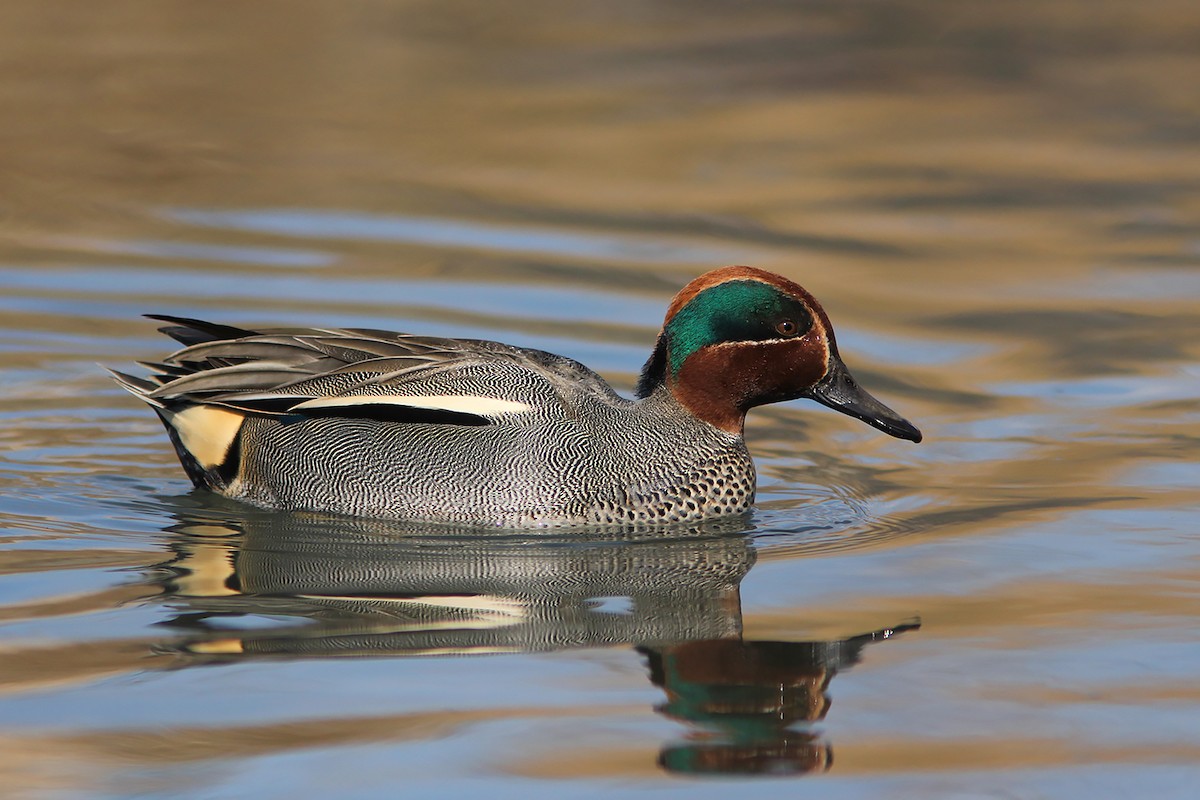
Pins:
x,y
333,372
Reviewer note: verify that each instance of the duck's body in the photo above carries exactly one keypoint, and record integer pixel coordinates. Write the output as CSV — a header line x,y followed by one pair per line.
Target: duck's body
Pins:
x,y
383,424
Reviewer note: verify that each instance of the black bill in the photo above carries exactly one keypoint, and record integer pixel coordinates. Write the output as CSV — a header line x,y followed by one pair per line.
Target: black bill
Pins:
x,y
841,392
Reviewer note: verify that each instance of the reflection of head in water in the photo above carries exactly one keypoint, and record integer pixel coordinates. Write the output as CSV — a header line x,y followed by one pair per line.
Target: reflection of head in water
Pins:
x,y
752,702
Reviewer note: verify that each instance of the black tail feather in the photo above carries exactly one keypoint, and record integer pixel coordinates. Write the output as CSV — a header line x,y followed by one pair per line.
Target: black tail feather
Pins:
x,y
188,331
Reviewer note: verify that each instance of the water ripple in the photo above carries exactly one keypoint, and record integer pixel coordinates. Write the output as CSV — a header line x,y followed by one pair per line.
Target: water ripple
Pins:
x,y
459,234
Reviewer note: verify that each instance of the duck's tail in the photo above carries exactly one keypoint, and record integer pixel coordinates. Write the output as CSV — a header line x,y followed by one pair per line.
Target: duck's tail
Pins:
x,y
206,437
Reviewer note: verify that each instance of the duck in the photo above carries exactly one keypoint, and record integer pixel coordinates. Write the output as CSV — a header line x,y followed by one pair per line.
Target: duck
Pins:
x,y
373,423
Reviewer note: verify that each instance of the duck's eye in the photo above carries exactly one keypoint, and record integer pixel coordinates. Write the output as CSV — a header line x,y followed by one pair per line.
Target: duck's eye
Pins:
x,y
786,327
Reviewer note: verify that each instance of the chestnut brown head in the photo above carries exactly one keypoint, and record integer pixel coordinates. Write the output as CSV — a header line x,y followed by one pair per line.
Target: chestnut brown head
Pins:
x,y
740,337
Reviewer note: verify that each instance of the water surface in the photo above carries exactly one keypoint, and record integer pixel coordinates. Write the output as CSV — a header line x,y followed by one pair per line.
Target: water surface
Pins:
x,y
998,204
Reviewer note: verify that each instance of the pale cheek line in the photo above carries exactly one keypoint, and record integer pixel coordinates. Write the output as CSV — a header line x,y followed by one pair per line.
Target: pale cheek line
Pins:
x,y
818,331
757,343
819,327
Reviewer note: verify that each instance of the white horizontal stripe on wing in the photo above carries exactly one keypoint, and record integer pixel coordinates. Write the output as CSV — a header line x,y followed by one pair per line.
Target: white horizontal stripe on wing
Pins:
x,y
462,403
489,611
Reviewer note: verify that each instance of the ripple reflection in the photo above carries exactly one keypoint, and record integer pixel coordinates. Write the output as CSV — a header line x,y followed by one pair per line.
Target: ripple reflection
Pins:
x,y
272,586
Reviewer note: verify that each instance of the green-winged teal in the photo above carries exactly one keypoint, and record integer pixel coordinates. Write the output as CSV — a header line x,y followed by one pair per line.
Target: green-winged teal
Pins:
x,y
462,430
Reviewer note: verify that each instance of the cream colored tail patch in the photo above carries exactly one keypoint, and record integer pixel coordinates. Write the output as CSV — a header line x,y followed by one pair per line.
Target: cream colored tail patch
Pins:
x,y
207,432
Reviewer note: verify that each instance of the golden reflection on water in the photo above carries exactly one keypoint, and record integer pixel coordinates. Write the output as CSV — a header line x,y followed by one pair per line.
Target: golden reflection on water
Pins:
x,y
997,204
353,588
359,588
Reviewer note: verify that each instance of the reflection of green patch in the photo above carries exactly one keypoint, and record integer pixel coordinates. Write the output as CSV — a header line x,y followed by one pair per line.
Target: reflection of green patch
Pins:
x,y
737,311
742,711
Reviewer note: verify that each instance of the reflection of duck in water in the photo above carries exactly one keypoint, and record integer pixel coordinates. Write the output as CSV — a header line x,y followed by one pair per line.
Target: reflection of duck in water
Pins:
x,y
360,587
370,587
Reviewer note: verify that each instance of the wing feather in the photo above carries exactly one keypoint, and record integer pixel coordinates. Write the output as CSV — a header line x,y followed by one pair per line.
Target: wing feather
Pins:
x,y
365,373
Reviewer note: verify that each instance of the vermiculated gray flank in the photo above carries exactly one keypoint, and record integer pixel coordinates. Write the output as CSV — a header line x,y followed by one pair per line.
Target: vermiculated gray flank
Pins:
x,y
595,458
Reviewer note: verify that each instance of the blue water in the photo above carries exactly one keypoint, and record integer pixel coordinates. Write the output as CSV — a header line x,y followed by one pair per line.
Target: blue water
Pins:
x,y
996,208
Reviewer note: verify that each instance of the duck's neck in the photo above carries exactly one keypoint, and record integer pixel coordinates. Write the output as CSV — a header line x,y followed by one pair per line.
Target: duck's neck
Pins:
x,y
702,389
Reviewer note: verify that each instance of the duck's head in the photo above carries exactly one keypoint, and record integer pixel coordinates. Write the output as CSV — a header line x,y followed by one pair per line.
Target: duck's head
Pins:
x,y
740,337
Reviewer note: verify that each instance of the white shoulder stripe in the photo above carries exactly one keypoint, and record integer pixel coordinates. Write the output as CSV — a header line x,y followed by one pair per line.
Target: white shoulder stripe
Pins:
x,y
489,611
464,403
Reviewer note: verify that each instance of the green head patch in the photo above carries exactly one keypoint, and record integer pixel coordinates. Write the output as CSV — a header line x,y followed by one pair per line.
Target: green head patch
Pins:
x,y
735,311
